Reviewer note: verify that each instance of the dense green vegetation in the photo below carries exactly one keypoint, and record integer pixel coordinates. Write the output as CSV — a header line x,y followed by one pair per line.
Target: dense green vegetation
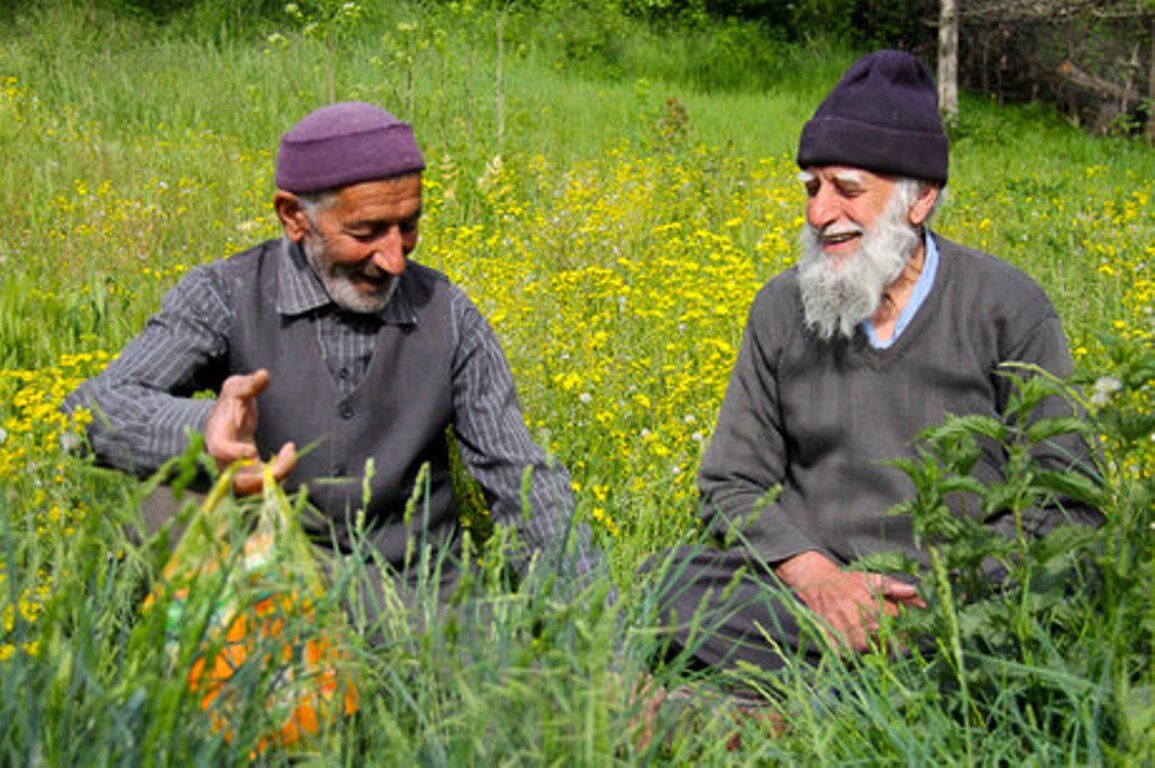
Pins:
x,y
612,193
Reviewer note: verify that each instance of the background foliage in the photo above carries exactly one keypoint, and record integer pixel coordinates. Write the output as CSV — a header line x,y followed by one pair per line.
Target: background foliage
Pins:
x,y
1091,59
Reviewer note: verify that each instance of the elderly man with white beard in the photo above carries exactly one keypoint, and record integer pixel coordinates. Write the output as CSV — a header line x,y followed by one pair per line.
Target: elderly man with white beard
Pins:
x,y
881,330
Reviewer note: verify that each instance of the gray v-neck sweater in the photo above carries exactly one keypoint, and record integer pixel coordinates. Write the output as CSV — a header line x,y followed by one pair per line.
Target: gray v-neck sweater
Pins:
x,y
822,418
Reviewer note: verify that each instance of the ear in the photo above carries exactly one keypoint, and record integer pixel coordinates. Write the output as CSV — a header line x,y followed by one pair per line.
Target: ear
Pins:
x,y
923,204
292,215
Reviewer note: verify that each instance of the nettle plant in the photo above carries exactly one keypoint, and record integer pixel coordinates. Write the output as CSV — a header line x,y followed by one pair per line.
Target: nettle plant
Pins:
x,y
1056,627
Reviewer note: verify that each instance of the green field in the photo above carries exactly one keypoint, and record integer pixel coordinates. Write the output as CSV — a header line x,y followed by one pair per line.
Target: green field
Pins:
x,y
611,196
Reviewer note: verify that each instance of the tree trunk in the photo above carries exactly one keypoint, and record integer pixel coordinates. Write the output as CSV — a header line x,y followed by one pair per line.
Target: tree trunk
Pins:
x,y
948,59
1151,88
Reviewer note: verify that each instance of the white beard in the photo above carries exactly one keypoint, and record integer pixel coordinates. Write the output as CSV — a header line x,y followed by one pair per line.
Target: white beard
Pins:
x,y
838,293
339,285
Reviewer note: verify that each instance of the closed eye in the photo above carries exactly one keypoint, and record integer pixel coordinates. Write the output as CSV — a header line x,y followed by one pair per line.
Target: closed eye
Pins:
x,y
368,232
409,226
368,235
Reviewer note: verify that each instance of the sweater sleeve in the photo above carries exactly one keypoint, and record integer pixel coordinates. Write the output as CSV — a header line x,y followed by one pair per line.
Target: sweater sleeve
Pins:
x,y
142,403
747,459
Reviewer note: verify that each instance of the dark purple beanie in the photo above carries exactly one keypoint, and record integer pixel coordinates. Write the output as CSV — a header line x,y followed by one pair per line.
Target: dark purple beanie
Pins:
x,y
343,144
883,117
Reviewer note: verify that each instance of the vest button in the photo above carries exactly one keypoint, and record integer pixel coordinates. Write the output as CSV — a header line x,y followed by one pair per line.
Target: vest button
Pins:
x,y
346,411
339,470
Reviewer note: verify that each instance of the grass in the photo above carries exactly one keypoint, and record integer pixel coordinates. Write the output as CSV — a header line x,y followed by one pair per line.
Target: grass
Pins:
x,y
612,207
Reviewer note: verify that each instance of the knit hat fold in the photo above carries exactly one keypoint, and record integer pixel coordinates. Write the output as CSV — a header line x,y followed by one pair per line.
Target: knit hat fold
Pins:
x,y
345,143
881,116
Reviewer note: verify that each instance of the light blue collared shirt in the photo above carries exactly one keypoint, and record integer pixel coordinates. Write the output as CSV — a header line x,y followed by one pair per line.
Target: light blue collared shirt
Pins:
x,y
921,290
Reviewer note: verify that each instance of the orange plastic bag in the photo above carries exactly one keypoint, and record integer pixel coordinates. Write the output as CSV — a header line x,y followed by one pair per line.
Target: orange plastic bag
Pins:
x,y
266,611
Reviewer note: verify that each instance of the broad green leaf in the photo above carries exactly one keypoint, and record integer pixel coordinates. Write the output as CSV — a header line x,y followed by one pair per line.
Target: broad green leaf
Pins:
x,y
1045,429
1074,485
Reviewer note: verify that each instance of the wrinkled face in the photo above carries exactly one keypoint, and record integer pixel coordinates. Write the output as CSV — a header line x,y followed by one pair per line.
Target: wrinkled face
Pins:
x,y
358,243
841,205
861,231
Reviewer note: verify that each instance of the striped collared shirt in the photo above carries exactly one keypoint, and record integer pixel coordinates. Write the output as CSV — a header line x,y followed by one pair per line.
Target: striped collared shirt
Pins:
x,y
144,407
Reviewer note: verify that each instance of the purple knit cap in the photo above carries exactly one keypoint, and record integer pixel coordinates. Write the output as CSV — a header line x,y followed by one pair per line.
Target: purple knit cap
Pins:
x,y
345,143
883,117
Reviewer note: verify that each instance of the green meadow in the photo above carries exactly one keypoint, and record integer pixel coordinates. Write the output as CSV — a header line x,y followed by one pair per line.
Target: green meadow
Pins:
x,y
612,195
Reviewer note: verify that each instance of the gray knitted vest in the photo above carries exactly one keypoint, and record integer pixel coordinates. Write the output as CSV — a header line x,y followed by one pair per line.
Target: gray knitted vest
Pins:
x,y
397,416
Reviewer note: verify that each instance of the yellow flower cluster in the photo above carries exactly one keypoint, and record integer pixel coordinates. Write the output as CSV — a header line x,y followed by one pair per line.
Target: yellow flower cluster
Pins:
x,y
35,434
35,439
34,429
620,299
1092,252
10,90
26,610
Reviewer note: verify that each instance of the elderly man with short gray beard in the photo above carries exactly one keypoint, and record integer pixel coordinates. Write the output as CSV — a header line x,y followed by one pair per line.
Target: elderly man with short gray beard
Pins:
x,y
882,330
334,340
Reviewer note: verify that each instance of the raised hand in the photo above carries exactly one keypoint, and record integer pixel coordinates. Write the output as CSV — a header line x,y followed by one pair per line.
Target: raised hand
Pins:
x,y
230,432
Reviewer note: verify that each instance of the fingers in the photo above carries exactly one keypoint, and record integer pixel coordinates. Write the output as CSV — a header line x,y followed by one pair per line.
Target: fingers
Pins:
x,y
247,482
894,591
249,478
902,593
232,423
852,610
230,431
859,621
915,601
852,603
226,452
858,634
235,412
284,462
245,386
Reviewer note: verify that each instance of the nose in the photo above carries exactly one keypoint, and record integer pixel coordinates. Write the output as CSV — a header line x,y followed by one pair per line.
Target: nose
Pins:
x,y
821,208
389,253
